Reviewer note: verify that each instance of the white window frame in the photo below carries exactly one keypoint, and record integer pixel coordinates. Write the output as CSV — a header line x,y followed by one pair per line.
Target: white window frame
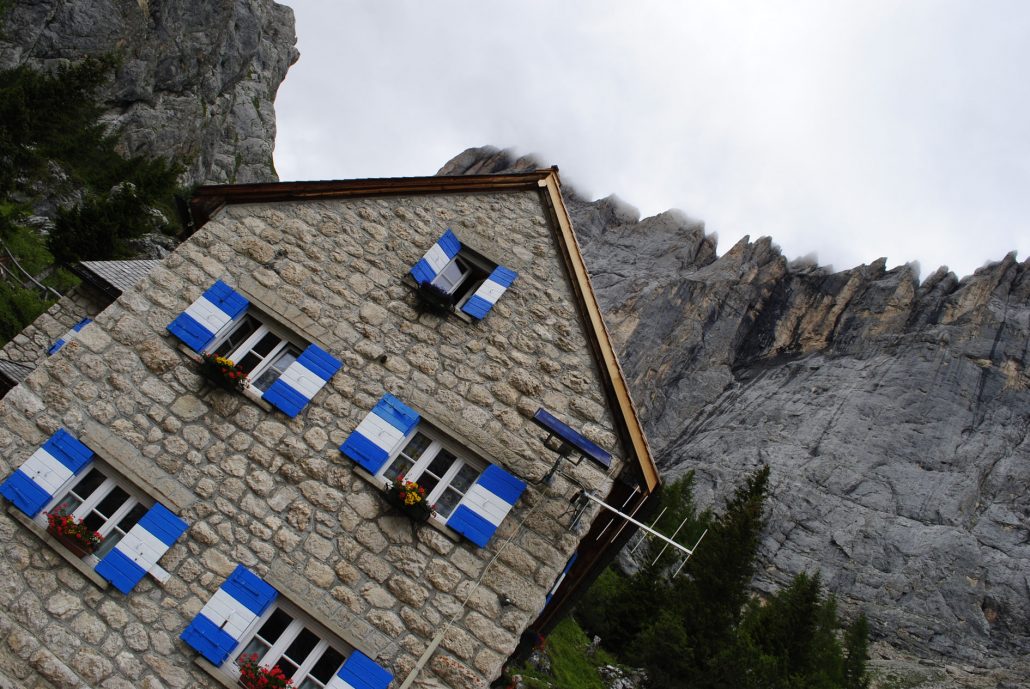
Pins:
x,y
301,620
473,262
438,442
265,326
457,262
112,480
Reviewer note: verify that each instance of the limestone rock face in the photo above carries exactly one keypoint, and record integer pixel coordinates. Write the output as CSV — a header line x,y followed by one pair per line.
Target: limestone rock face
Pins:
x,y
197,79
894,415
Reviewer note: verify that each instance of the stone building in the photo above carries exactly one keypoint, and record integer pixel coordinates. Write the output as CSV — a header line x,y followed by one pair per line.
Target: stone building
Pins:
x,y
439,329
101,283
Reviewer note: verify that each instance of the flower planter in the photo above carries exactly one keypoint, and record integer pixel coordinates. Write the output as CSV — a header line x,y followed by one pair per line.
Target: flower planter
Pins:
x,y
420,512
432,299
73,546
224,374
73,534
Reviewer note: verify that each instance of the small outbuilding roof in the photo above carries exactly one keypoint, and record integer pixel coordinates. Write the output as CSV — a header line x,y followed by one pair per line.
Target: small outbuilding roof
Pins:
x,y
114,277
14,372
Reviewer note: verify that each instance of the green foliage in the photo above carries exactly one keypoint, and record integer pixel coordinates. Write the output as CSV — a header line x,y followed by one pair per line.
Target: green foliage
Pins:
x,y
856,654
18,307
102,226
52,146
571,666
703,629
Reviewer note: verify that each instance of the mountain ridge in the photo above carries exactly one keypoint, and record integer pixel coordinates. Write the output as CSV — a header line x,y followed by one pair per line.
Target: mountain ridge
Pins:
x,y
895,414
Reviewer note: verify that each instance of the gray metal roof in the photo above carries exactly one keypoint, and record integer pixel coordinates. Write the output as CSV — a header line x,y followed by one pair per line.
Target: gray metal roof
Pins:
x,y
14,372
120,274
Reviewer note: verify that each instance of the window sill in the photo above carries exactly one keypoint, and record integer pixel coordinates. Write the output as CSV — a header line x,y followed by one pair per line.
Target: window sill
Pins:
x,y
378,484
56,546
216,673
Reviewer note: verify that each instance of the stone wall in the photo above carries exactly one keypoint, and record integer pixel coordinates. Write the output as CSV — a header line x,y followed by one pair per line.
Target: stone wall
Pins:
x,y
276,494
30,346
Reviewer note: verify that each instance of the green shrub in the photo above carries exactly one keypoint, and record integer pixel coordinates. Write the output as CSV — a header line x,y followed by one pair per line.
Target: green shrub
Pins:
x,y
703,629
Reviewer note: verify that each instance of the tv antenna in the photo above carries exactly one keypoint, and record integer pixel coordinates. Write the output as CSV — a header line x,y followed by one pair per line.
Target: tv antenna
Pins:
x,y
566,442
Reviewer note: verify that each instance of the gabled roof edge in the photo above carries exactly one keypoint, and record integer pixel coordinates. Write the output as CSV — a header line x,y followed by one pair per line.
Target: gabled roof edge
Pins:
x,y
632,430
207,200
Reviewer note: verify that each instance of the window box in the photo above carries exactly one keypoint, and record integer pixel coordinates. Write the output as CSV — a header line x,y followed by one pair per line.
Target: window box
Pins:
x,y
224,373
399,496
466,494
280,369
64,477
248,617
73,534
455,273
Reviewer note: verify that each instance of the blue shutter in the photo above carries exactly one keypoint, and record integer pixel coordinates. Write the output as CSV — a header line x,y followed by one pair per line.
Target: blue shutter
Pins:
x,y
360,672
218,627
140,549
438,256
215,309
380,433
561,577
486,504
68,336
37,480
302,380
480,303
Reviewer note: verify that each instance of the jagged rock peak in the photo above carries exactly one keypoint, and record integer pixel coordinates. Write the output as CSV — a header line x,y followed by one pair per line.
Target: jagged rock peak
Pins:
x,y
197,80
894,414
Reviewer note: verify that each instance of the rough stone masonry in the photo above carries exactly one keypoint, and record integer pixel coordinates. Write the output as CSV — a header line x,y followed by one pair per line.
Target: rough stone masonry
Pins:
x,y
276,494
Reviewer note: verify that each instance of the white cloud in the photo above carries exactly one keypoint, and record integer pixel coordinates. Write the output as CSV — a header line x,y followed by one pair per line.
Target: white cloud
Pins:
x,y
854,130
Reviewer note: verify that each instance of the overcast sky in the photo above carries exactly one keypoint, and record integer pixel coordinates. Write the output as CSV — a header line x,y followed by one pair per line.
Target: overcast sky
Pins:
x,y
849,129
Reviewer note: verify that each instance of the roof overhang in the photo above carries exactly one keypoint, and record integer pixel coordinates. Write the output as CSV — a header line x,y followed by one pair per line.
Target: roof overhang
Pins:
x,y
208,200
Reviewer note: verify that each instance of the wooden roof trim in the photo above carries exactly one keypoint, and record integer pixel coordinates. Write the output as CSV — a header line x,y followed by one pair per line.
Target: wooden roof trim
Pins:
x,y
631,428
208,199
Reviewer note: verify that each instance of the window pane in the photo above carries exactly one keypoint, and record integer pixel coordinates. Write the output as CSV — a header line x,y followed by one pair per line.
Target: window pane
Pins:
x,y
67,505
288,668
416,446
115,499
266,344
451,275
274,626
94,521
327,665
400,467
255,647
303,645
109,542
248,362
244,330
441,463
447,502
465,477
129,520
88,484
281,363
428,481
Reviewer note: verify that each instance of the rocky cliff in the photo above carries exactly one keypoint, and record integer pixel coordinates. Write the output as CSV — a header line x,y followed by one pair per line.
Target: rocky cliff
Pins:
x,y
894,414
197,80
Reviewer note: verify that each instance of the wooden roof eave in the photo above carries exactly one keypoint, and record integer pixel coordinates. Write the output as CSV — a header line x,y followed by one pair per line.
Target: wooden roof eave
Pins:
x,y
626,419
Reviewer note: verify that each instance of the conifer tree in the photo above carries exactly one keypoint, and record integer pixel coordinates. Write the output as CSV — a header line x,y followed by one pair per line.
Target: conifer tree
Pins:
x,y
704,629
856,654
